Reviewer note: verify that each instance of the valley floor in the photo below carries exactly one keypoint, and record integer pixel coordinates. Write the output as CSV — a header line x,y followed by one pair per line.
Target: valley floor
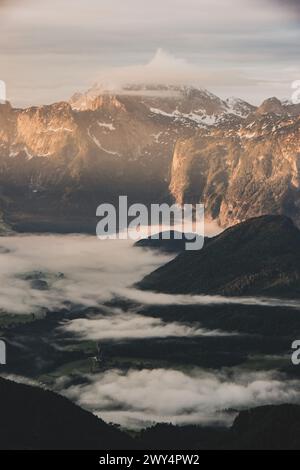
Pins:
x,y
137,358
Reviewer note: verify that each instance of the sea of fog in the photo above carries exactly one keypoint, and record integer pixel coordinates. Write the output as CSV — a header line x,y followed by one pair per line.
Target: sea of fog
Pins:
x,y
86,272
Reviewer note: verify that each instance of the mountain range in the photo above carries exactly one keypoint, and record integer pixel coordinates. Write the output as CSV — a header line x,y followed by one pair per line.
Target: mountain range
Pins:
x,y
153,143
242,170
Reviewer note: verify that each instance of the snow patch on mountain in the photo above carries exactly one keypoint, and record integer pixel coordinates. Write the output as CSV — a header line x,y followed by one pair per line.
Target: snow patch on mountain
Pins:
x,y
108,126
100,146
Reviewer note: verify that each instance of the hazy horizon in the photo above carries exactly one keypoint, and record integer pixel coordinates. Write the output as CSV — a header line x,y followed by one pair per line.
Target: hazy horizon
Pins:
x,y
237,48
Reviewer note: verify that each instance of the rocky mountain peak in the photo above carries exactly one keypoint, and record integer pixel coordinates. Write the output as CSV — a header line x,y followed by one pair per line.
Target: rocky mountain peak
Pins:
x,y
186,102
239,107
271,105
4,107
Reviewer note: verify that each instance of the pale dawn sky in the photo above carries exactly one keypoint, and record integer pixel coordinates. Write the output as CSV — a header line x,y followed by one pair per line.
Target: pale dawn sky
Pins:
x,y
52,48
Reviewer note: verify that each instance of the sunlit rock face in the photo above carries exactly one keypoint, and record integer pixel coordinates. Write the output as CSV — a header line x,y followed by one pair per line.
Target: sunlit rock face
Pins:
x,y
243,171
71,156
153,143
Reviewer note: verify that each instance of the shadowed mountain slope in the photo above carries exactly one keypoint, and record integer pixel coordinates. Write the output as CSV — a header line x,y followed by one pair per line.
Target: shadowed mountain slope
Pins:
x,y
169,242
258,257
32,418
263,428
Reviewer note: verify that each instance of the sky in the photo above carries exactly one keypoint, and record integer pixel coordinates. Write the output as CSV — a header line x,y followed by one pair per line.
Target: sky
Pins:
x,y
245,48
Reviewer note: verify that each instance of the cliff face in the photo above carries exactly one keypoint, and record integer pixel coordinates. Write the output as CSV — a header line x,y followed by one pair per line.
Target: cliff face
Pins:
x,y
70,157
148,142
57,157
241,171
80,142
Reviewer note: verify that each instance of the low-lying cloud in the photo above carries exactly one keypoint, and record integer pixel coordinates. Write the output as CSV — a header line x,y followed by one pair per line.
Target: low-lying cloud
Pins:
x,y
78,269
52,271
127,325
139,398
154,298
